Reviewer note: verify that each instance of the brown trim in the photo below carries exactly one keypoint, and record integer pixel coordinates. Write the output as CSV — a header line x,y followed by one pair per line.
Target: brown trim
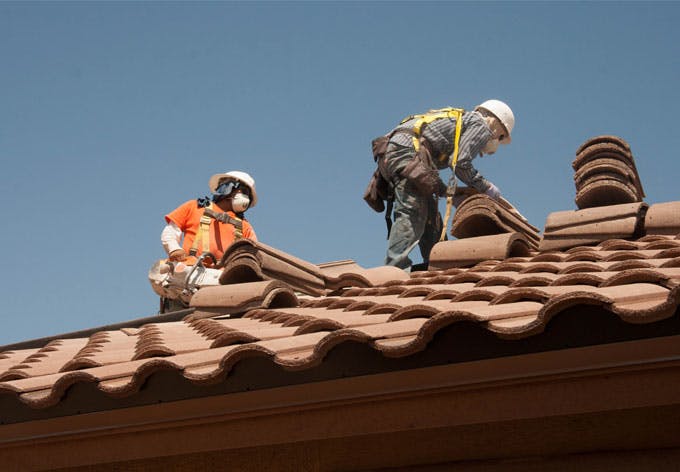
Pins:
x,y
584,381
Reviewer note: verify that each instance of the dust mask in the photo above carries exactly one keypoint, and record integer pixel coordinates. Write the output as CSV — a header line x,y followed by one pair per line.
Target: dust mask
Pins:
x,y
491,146
240,202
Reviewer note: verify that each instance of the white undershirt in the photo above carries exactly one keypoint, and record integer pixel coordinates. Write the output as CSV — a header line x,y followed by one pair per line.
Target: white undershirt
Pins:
x,y
170,237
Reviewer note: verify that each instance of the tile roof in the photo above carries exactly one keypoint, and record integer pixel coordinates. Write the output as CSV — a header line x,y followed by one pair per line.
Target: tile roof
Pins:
x,y
480,295
513,298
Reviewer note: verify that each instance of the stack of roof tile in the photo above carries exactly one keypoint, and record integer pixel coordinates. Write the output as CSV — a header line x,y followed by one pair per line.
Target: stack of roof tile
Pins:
x,y
480,215
605,173
251,261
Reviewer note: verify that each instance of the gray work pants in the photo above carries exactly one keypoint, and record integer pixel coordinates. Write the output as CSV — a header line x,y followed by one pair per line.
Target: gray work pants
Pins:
x,y
416,217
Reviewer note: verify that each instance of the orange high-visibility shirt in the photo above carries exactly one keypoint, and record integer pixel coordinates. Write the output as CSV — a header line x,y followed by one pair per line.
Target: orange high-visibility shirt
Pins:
x,y
188,218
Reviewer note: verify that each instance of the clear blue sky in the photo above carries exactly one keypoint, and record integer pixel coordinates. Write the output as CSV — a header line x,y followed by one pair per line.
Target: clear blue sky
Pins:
x,y
112,114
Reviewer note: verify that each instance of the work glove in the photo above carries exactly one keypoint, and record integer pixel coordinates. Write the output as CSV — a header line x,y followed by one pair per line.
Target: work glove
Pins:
x,y
493,191
178,255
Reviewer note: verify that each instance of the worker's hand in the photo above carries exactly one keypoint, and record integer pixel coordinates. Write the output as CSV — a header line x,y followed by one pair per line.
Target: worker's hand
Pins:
x,y
178,255
493,191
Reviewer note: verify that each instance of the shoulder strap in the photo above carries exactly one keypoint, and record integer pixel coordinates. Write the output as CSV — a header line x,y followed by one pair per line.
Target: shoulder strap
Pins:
x,y
432,115
237,223
203,234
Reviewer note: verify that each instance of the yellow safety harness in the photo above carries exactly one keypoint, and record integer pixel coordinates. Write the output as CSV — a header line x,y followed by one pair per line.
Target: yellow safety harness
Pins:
x,y
203,234
429,117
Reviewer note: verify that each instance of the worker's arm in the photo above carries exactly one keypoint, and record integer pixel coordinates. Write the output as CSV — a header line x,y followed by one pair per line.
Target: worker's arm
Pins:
x,y
170,238
177,221
472,141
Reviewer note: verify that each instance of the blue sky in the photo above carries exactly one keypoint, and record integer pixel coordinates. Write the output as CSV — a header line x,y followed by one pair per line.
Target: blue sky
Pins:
x,y
112,114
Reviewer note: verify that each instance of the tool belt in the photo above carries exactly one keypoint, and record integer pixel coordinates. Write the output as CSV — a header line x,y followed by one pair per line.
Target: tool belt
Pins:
x,y
422,172
379,189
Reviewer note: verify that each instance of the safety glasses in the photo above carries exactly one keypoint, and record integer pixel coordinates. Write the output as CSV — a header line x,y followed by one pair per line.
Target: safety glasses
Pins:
x,y
225,187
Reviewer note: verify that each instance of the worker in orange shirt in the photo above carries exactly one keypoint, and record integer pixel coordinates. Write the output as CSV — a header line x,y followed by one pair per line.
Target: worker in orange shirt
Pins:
x,y
212,222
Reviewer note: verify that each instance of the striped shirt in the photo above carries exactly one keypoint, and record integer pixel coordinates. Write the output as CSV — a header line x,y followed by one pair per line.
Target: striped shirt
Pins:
x,y
440,135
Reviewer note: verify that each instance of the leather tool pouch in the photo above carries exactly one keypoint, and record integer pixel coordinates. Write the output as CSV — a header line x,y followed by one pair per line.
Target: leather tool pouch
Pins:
x,y
376,192
379,146
378,188
423,174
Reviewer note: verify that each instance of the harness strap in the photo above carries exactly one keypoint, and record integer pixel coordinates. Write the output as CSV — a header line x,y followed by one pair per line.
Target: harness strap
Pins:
x,y
237,223
203,235
451,189
433,115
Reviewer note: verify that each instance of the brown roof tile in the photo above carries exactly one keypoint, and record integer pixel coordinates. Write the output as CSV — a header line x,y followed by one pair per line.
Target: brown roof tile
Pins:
x,y
244,296
662,218
604,190
607,166
605,139
470,251
567,229
47,360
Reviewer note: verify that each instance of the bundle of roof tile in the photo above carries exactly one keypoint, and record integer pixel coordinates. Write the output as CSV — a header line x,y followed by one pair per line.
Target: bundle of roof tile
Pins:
x,y
249,261
480,215
605,173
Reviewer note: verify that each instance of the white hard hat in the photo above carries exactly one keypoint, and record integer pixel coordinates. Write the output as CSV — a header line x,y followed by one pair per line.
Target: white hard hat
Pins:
x,y
504,114
242,177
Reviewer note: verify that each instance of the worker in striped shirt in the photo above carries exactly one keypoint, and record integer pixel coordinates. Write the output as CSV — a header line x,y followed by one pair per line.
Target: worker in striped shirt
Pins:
x,y
416,215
